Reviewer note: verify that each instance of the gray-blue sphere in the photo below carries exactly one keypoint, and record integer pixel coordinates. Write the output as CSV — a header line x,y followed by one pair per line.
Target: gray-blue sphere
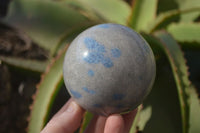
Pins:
x,y
108,69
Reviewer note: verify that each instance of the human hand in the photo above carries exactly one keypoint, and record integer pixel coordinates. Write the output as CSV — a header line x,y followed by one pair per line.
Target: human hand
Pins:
x,y
68,119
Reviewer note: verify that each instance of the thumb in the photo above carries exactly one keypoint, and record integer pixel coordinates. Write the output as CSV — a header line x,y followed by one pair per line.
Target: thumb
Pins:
x,y
67,120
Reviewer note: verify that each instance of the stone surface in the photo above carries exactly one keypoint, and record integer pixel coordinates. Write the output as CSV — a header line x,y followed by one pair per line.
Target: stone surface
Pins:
x,y
109,69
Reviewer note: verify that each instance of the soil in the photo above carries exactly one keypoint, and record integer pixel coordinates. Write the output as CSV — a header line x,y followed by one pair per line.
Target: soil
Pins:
x,y
16,90
16,43
17,87
15,97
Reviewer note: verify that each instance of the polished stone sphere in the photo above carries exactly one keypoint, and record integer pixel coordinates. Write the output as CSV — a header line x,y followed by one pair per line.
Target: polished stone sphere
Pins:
x,y
109,68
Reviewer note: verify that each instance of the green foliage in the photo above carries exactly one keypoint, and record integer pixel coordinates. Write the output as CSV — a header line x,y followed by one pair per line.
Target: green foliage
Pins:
x,y
161,112
43,22
47,89
185,32
172,106
143,12
25,64
166,5
137,119
115,11
164,19
194,111
87,118
179,69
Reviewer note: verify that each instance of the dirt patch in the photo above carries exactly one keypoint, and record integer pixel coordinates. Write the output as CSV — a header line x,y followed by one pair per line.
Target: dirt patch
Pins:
x,y
17,87
15,97
16,43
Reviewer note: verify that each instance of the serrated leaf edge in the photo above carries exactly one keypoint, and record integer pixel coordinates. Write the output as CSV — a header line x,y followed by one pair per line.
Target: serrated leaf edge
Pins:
x,y
183,94
47,70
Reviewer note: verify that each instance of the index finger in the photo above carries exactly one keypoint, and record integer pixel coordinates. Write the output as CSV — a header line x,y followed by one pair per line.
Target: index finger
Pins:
x,y
67,120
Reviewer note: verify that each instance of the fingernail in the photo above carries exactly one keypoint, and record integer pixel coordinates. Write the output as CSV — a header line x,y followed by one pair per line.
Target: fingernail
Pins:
x,y
72,107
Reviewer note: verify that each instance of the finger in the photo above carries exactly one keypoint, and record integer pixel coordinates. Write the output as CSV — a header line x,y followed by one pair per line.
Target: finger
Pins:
x,y
114,124
128,120
67,120
96,125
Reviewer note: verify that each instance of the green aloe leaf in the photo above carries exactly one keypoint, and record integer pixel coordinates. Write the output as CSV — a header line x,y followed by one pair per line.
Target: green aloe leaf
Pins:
x,y
136,120
18,51
87,118
143,12
188,4
185,32
45,95
25,64
46,22
166,18
167,5
161,110
194,111
116,11
187,96
179,68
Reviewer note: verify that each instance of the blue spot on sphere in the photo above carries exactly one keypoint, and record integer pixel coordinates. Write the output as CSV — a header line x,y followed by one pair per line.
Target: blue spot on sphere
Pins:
x,y
107,62
88,91
115,52
96,53
75,94
91,73
94,57
92,44
118,96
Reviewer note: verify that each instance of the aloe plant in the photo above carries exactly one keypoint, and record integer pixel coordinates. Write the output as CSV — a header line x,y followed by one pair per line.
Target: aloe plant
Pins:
x,y
171,28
